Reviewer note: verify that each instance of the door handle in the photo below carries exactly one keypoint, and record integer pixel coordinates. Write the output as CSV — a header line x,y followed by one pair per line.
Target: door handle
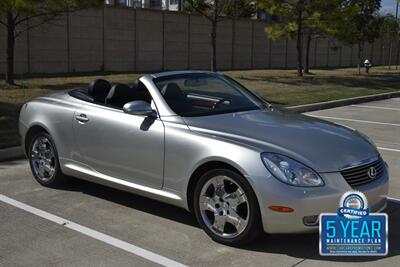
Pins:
x,y
82,118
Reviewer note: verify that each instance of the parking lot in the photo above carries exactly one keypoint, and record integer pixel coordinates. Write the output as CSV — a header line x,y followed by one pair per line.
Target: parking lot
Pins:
x,y
87,224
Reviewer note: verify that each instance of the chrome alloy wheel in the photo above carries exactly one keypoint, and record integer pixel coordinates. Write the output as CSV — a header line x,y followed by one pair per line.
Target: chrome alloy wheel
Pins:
x,y
43,159
224,207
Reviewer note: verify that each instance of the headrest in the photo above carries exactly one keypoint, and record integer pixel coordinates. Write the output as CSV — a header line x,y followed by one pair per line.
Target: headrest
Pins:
x,y
120,94
172,92
99,87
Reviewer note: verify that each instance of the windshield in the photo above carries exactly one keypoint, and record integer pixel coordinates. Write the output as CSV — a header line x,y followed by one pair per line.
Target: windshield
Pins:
x,y
200,94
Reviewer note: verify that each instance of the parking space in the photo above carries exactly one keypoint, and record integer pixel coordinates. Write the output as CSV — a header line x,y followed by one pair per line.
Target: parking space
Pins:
x,y
28,240
159,232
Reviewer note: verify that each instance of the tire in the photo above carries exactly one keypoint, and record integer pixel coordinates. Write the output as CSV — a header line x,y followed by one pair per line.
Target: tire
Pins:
x,y
223,213
43,160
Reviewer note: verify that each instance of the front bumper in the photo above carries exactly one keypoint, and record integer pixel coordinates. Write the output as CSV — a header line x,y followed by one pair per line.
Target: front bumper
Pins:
x,y
311,201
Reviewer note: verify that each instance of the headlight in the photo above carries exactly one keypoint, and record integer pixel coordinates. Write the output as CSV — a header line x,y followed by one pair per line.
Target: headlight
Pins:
x,y
290,171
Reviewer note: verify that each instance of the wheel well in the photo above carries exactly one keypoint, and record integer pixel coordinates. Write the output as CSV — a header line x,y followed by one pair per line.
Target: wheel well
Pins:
x,y
30,134
211,165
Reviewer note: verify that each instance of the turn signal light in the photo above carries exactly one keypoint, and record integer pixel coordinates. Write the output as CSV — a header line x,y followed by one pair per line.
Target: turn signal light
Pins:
x,y
281,209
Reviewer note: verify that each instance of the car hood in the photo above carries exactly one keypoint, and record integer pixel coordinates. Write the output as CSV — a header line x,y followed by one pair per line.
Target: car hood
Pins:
x,y
322,145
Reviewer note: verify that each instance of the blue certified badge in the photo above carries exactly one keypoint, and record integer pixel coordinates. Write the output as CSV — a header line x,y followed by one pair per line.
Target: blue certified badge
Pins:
x,y
353,230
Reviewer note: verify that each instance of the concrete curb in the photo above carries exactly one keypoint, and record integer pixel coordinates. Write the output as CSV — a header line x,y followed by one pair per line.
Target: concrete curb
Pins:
x,y
11,153
18,153
342,102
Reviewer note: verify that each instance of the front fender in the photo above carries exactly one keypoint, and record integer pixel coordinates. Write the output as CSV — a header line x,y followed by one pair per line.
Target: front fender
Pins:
x,y
186,150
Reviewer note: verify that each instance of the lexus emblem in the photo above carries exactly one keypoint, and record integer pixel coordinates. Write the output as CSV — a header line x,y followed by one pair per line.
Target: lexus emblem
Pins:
x,y
372,172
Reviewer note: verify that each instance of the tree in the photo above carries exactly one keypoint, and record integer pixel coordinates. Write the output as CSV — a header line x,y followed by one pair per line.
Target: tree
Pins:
x,y
303,18
215,11
361,25
323,20
14,15
390,28
240,8
291,17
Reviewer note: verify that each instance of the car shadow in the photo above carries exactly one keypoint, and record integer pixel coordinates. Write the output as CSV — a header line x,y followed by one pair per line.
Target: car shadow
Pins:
x,y
4,165
9,113
304,246
133,201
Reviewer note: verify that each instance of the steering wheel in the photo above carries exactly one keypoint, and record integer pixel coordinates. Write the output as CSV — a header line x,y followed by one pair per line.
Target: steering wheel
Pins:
x,y
219,102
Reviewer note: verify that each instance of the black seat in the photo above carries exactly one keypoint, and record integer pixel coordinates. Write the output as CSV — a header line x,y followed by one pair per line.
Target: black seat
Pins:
x,y
175,98
119,95
99,89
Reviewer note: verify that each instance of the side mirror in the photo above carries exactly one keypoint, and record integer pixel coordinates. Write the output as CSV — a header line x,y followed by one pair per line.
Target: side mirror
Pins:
x,y
138,107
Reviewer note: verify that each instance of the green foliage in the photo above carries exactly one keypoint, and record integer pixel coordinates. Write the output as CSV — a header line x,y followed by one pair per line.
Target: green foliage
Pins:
x,y
203,7
15,13
279,30
23,9
390,26
286,11
318,17
240,8
362,23
231,8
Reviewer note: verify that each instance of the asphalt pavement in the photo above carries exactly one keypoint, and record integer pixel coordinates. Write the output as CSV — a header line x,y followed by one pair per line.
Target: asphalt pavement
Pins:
x,y
85,224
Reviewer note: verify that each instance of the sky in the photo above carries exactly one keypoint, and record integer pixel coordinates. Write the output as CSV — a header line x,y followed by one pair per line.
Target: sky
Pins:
x,y
388,6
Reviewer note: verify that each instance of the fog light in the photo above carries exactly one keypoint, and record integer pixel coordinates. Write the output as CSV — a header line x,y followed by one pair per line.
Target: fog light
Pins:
x,y
281,209
310,220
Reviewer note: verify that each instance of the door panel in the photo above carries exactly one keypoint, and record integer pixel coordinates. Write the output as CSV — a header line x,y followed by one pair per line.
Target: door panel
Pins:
x,y
121,145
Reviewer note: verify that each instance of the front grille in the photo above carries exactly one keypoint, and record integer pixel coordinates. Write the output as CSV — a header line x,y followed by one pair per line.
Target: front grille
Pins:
x,y
356,176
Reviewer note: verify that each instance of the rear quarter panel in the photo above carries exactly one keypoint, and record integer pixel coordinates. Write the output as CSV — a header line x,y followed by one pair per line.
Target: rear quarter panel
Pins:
x,y
54,114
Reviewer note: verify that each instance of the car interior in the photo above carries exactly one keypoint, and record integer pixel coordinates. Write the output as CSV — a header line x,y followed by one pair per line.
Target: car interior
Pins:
x,y
117,95
188,98
197,97
103,92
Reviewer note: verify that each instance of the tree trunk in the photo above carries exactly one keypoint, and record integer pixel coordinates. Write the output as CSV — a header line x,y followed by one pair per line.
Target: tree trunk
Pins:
x,y
359,58
214,36
299,43
307,59
180,5
390,52
10,49
398,37
398,54
214,45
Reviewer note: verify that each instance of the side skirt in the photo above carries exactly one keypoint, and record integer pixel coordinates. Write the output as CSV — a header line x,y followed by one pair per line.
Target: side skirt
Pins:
x,y
83,172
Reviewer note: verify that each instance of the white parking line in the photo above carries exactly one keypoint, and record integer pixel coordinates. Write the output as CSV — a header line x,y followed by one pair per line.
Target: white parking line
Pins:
x,y
148,255
344,119
375,107
388,149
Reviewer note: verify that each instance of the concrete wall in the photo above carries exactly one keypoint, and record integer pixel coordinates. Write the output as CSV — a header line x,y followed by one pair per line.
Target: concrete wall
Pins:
x,y
199,35
86,45
176,37
119,40
126,39
21,55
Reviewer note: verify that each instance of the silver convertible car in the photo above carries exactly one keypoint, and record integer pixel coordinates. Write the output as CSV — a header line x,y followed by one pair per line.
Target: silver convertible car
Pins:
x,y
203,142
